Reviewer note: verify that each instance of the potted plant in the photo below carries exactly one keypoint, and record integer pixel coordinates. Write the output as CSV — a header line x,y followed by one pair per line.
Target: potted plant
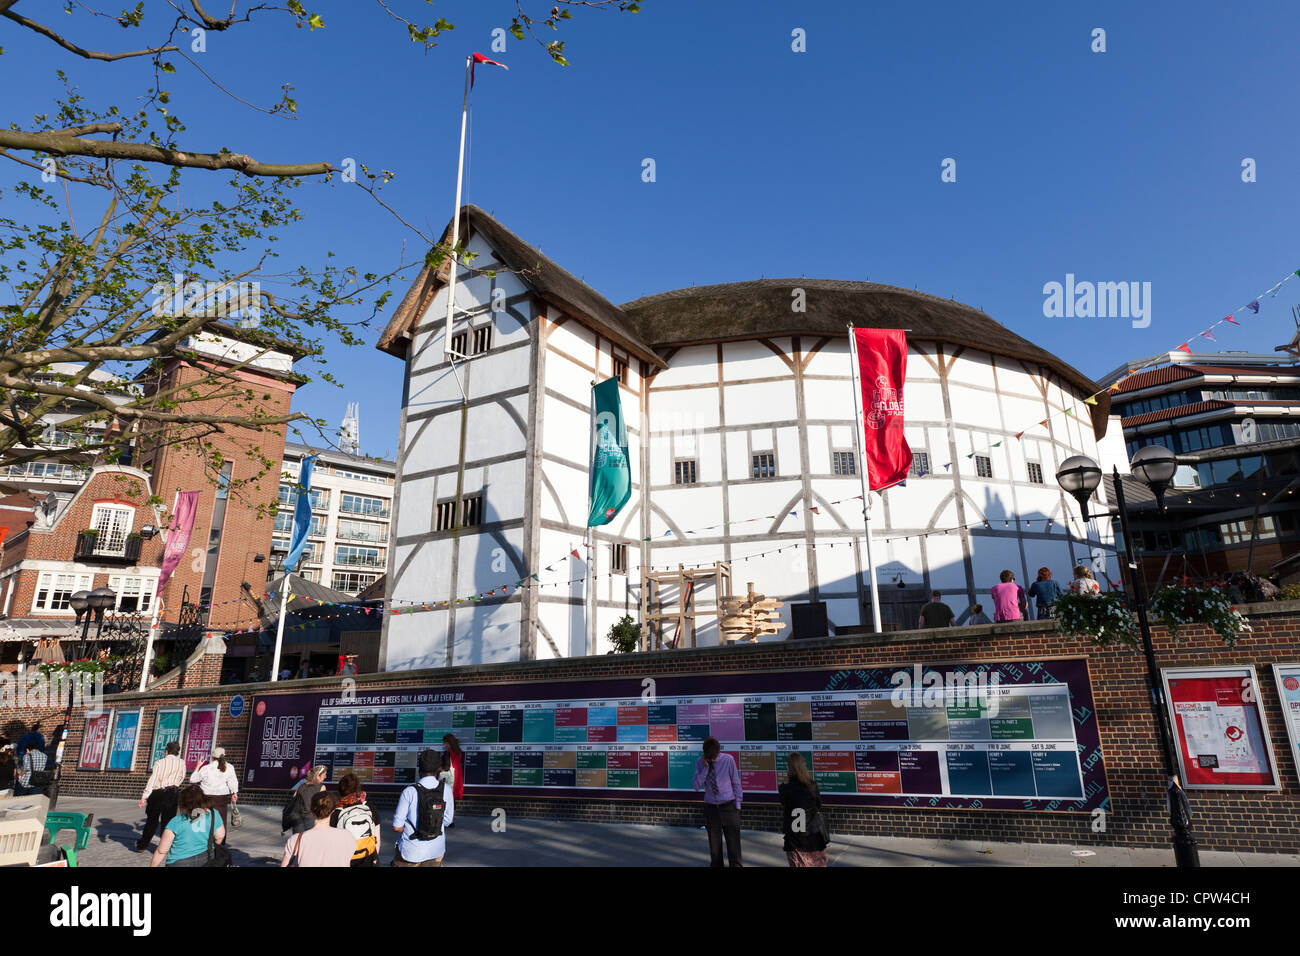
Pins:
x,y
1103,619
625,635
1175,606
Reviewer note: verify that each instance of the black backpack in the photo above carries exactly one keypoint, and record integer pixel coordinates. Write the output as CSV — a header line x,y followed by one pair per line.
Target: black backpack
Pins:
x,y
429,809
294,812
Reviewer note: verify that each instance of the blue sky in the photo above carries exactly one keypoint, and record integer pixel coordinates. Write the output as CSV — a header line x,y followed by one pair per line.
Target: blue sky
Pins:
x,y
1115,166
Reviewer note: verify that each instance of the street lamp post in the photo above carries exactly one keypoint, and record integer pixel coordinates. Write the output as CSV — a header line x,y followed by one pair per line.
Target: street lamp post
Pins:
x,y
1155,466
87,604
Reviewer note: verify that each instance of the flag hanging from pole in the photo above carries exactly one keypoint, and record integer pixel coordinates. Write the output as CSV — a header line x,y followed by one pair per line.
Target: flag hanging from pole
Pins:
x,y
882,371
475,60
611,475
301,514
178,537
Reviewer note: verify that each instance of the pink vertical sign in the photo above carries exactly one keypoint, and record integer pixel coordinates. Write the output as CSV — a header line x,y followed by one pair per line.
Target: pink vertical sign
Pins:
x,y
178,539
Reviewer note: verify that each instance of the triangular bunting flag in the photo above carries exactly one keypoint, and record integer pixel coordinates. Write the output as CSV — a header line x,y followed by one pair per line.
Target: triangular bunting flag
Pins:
x,y
1019,435
1207,334
1254,306
575,553
1185,347
1229,318
1043,422
534,577
1069,411
1090,400
997,444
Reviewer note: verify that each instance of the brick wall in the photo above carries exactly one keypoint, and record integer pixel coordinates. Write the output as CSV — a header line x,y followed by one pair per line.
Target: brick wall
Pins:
x,y
1236,820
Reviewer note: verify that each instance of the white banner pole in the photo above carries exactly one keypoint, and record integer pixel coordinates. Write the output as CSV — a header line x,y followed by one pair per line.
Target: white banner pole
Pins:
x,y
455,221
862,474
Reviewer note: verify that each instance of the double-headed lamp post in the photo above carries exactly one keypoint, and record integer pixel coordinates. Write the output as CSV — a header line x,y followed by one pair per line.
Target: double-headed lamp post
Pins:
x,y
87,604
1155,466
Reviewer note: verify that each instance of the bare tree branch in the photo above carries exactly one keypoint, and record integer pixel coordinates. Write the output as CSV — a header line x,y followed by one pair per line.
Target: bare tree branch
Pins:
x,y
73,48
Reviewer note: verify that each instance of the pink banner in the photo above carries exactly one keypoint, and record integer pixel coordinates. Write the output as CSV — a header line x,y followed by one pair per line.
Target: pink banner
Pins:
x,y
178,538
200,737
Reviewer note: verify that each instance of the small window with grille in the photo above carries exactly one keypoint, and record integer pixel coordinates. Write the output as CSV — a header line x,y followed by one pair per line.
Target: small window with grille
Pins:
x,y
445,515
471,511
684,472
482,339
984,466
459,341
1036,472
920,465
844,462
620,369
765,465
618,558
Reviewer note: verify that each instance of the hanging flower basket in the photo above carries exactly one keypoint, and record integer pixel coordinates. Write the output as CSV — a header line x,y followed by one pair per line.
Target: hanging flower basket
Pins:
x,y
1102,619
1176,606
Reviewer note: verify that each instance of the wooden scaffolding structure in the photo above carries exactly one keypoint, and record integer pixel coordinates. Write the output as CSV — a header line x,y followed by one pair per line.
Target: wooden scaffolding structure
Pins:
x,y
684,579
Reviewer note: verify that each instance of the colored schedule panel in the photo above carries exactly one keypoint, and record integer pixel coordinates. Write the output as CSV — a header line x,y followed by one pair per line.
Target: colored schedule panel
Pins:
x,y
500,763
1056,773
485,735
366,726
510,725
681,768
692,732
653,765
1052,717
834,771
345,729
782,761
968,772
326,728
631,715
757,770
846,730
1011,728
662,714
560,768
927,723
920,771
692,714
590,760
760,721
591,778
570,716
604,734
602,716
835,710
883,729
1012,773
727,721
571,734
462,720
410,728
404,769
877,771
633,733
539,726
964,728
661,733
386,728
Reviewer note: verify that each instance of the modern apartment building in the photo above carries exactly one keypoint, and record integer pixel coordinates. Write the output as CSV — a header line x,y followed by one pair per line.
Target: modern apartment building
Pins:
x,y
352,499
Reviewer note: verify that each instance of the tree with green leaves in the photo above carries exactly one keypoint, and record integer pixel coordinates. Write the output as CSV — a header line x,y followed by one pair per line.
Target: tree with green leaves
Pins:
x,y
107,274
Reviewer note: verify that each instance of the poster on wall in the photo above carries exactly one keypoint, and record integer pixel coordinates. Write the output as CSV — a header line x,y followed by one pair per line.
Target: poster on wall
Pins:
x,y
200,736
168,723
1288,690
94,741
1219,728
1000,735
123,739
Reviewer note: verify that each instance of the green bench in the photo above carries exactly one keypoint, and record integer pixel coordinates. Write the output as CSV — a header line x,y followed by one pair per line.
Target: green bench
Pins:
x,y
79,823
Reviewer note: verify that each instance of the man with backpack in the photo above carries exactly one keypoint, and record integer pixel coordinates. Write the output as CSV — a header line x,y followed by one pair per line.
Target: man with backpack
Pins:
x,y
422,812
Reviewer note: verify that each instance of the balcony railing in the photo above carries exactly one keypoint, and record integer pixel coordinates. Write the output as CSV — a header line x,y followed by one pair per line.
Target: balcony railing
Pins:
x,y
358,561
90,548
377,536
358,508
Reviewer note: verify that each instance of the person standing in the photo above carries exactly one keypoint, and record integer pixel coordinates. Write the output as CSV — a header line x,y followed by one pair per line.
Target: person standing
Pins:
x,y
936,613
297,817
802,822
1084,582
219,781
716,774
321,844
33,777
160,795
184,842
354,817
1008,598
424,810
1044,591
457,756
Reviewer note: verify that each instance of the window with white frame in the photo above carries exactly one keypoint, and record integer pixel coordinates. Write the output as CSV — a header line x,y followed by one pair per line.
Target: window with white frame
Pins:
x,y
920,464
133,593
113,522
55,589
984,466
1035,472
350,555
351,581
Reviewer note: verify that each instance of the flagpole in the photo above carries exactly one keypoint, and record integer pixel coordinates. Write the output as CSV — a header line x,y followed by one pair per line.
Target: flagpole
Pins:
x,y
279,627
587,575
862,474
455,217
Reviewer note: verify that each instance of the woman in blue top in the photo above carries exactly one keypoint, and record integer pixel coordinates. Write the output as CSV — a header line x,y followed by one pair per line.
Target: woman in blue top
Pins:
x,y
185,841
1044,591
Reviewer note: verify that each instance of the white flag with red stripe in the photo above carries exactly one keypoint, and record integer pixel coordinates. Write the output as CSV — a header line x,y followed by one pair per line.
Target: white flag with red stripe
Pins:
x,y
475,60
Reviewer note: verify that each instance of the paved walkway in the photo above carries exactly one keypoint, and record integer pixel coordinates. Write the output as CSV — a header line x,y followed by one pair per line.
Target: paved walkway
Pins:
x,y
530,842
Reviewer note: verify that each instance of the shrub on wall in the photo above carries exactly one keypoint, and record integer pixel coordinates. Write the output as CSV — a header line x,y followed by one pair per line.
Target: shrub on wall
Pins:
x,y
625,635
1175,606
1103,619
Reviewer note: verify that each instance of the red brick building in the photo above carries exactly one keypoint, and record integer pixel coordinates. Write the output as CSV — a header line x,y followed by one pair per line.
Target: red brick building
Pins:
x,y
103,535
234,520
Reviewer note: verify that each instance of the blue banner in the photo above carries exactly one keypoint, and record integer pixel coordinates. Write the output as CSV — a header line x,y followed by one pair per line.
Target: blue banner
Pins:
x,y
301,514
121,752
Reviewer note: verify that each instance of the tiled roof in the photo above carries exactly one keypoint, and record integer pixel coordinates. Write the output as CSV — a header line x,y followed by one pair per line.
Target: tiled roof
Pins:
x,y
1196,408
1178,373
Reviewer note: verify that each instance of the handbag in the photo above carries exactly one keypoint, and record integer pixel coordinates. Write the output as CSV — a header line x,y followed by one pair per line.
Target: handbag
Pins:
x,y
235,820
218,853
297,845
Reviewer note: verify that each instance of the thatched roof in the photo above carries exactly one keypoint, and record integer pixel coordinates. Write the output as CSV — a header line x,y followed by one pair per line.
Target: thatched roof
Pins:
x,y
553,284
744,310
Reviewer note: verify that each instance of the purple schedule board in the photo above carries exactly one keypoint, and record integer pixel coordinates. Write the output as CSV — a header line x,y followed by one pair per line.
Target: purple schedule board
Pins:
x,y
1001,735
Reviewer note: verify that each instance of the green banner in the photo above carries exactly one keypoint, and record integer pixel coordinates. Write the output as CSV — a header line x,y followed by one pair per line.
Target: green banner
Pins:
x,y
167,727
611,477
